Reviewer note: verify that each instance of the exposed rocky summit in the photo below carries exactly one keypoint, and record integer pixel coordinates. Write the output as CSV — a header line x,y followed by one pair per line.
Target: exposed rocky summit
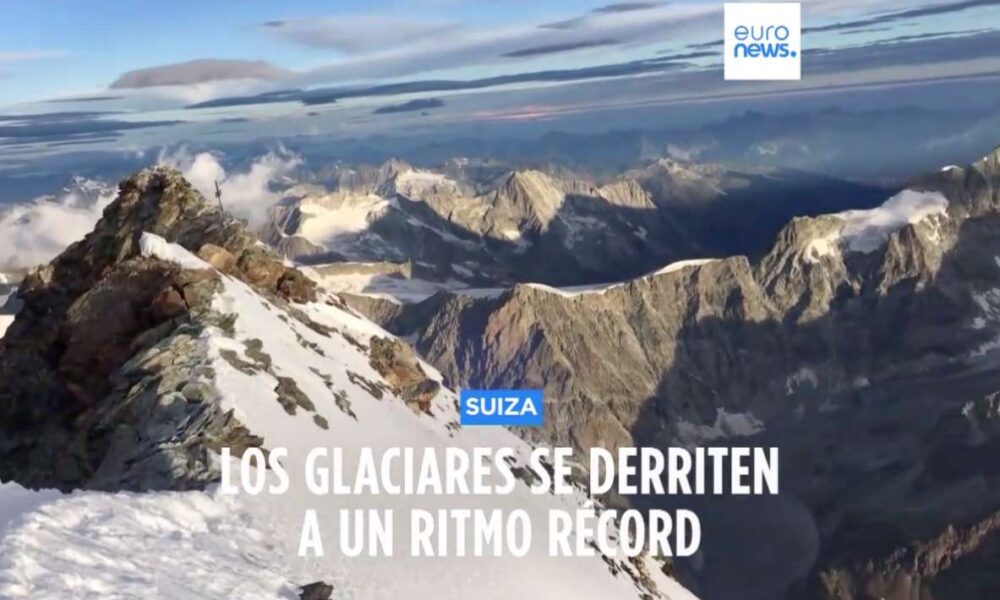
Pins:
x,y
864,344
100,374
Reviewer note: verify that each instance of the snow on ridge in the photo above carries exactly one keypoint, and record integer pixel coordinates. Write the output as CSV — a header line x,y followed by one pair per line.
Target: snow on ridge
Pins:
x,y
682,264
5,294
867,230
600,288
129,546
154,246
394,288
727,425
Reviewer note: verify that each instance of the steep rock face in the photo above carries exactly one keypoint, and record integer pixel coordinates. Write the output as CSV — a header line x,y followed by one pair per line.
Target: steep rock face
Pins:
x,y
540,338
627,192
527,201
68,400
856,345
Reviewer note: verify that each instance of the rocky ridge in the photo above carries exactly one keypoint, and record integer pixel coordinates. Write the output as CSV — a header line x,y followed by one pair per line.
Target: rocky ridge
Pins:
x,y
498,227
875,328
104,351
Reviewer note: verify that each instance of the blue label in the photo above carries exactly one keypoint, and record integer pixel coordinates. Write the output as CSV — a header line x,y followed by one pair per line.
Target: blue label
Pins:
x,y
519,408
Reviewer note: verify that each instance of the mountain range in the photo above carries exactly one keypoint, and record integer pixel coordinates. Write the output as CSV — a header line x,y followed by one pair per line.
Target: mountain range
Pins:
x,y
484,224
674,304
863,344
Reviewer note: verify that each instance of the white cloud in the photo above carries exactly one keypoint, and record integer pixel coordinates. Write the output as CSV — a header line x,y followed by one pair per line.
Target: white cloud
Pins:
x,y
247,194
358,33
26,55
465,46
468,46
374,47
34,233
200,71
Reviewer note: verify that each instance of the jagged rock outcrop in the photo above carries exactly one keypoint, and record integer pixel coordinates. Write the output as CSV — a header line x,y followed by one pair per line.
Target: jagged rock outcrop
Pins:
x,y
857,344
316,591
99,375
914,571
398,363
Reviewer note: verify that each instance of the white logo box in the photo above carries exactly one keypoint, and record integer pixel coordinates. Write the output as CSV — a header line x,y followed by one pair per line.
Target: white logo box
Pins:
x,y
762,41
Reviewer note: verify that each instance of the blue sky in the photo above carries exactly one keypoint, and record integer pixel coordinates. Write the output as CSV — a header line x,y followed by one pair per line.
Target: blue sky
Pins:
x,y
83,45
131,57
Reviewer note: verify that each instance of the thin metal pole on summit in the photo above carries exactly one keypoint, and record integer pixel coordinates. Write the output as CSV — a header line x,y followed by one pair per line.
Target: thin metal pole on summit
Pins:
x,y
218,196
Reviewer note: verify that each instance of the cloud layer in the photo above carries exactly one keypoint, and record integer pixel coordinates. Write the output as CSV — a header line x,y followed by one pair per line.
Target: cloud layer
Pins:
x,y
200,71
248,194
64,126
34,233
332,95
27,55
411,106
357,33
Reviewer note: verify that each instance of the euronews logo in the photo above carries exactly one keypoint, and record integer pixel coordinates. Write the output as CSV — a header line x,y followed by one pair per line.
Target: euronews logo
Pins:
x,y
763,41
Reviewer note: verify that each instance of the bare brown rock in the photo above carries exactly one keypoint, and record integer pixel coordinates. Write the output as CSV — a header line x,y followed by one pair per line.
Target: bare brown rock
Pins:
x,y
397,362
220,258
168,304
293,286
260,268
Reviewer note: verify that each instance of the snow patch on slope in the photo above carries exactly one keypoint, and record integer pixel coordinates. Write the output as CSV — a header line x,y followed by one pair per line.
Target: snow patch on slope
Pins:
x,y
5,322
15,501
156,247
726,425
325,219
172,546
989,303
7,313
415,183
803,376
